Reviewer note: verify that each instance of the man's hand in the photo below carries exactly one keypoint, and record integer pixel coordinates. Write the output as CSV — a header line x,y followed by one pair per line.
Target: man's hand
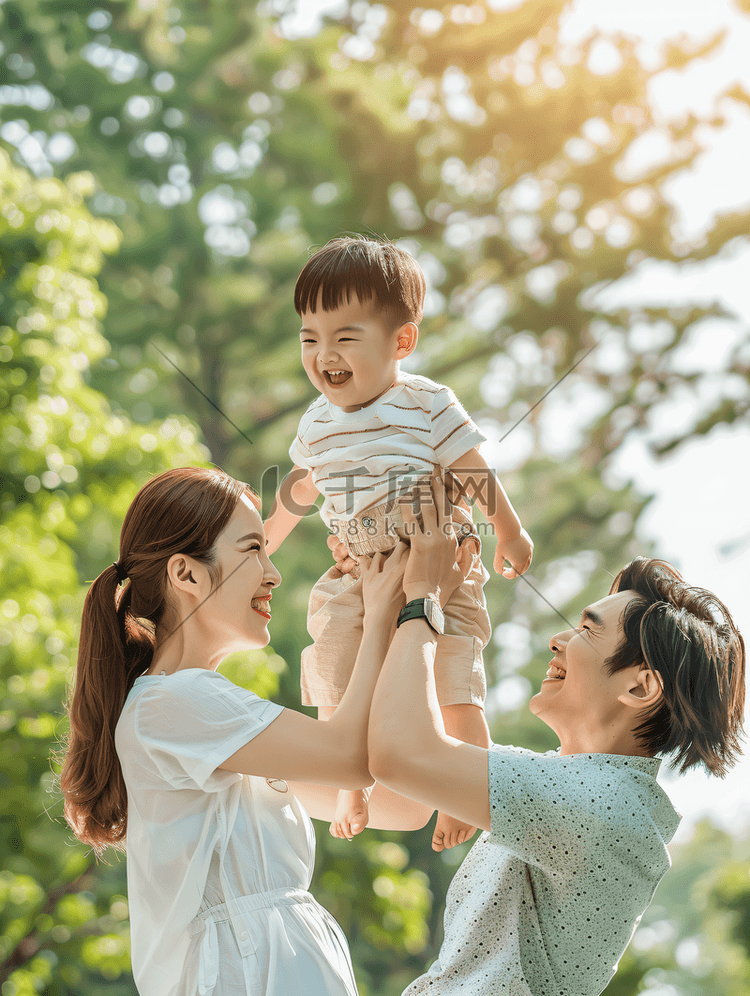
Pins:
x,y
437,564
518,551
345,563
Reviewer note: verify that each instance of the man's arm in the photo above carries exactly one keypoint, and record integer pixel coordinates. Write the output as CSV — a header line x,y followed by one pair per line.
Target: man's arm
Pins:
x,y
408,748
479,481
294,499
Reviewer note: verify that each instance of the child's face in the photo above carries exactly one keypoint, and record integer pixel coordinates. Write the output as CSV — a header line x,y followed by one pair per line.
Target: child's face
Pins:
x,y
357,339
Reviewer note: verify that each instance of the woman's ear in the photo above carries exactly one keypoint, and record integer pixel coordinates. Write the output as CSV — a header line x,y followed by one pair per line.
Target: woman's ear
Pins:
x,y
644,687
184,573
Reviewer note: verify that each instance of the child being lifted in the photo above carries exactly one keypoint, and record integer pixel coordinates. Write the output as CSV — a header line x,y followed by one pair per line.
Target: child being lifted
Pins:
x,y
367,443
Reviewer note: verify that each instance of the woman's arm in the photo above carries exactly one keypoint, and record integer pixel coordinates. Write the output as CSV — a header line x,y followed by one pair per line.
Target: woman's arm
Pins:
x,y
296,747
410,752
388,809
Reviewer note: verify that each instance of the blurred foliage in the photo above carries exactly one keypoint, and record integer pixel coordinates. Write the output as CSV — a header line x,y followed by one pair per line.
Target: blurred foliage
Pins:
x,y
70,467
694,939
171,164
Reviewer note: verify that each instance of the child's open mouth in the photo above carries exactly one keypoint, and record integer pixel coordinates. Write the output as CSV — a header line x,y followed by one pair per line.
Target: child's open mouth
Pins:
x,y
337,377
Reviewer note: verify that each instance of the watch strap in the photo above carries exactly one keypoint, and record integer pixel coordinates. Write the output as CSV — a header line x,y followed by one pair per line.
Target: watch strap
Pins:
x,y
416,609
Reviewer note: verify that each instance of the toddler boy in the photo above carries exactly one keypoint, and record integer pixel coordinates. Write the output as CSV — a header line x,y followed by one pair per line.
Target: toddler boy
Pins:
x,y
367,443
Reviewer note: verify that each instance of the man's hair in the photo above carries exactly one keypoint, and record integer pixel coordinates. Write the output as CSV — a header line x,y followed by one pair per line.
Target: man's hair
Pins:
x,y
367,268
686,635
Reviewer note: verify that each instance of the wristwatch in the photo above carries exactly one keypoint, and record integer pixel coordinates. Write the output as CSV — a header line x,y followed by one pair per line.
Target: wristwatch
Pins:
x,y
423,608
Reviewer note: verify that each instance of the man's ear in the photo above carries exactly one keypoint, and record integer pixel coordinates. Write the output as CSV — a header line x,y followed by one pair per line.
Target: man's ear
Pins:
x,y
644,688
407,337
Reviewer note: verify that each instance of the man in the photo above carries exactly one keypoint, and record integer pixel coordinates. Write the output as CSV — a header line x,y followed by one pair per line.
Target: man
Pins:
x,y
576,839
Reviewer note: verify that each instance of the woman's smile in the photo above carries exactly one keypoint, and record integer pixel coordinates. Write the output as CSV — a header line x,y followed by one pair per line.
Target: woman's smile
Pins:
x,y
262,606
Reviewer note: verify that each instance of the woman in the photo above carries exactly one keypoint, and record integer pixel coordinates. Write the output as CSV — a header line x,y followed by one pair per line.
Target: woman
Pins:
x,y
161,746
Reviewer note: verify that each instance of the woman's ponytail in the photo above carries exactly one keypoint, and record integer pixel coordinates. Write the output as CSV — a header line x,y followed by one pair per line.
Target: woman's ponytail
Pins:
x,y
113,650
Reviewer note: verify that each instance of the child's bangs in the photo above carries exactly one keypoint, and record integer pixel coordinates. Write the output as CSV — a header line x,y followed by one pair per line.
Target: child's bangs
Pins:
x,y
347,268
336,284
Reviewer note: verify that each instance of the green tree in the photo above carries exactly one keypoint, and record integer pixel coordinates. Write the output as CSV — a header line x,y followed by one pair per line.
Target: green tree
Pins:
x,y
694,936
70,468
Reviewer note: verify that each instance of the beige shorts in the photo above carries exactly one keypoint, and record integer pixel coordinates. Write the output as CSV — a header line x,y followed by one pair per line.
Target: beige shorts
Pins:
x,y
336,611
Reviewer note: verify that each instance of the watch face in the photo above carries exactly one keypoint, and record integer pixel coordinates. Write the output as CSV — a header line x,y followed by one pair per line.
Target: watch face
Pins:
x,y
434,615
424,608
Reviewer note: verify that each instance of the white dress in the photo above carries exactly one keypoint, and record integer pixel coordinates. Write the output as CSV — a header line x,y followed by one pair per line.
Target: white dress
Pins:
x,y
218,863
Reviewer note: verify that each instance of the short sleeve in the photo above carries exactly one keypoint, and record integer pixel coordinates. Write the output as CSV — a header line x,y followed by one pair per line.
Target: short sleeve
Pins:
x,y
300,453
193,721
547,811
453,431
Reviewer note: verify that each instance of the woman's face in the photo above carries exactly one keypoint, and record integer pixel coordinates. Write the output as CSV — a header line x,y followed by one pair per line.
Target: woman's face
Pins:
x,y
239,608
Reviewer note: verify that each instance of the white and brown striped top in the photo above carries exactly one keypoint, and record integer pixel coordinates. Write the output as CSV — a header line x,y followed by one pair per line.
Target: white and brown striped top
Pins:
x,y
363,458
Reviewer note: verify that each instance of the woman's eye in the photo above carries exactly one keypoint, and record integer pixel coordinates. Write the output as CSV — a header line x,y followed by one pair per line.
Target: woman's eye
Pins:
x,y
250,548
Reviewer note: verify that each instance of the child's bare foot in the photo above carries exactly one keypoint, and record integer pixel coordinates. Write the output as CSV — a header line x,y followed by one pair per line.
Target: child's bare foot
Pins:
x,y
449,832
351,816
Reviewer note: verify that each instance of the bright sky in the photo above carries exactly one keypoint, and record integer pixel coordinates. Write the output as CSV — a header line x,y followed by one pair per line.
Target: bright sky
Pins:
x,y
699,518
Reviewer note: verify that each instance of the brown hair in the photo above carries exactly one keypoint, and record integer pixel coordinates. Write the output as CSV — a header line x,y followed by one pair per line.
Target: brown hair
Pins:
x,y
180,511
369,269
686,635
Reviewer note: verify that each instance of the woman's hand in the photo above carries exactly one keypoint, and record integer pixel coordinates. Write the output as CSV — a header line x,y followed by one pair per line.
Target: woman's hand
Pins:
x,y
437,564
383,584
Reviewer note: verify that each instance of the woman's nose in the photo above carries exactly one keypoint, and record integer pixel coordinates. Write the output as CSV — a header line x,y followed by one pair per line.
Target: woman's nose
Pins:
x,y
273,577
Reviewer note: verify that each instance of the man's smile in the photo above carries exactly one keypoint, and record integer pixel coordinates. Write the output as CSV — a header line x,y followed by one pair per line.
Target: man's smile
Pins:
x,y
555,671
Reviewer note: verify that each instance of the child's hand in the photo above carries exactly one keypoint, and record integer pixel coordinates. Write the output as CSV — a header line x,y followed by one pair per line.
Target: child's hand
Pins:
x,y
344,560
518,551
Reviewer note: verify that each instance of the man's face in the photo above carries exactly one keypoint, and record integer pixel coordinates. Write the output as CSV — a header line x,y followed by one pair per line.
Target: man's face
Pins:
x,y
350,354
578,698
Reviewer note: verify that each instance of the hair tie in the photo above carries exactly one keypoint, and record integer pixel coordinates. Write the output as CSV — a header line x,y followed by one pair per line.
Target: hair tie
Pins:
x,y
122,574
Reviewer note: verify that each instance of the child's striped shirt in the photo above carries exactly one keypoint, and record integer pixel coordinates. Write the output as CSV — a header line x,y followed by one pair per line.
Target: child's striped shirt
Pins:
x,y
363,458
